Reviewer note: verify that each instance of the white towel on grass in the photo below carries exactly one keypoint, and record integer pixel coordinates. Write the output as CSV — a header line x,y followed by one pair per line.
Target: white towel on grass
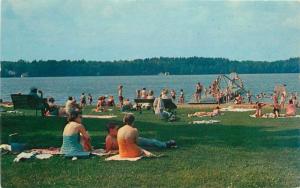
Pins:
x,y
271,116
231,109
99,116
205,122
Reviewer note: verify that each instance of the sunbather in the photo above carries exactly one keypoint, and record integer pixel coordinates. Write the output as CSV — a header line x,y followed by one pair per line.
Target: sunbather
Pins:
x,y
290,109
111,144
215,112
73,143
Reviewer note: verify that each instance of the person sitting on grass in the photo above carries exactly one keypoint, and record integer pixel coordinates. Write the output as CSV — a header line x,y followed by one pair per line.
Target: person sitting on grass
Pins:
x,y
215,112
127,139
127,106
52,108
258,112
70,104
34,92
290,109
101,104
111,101
76,140
238,99
111,144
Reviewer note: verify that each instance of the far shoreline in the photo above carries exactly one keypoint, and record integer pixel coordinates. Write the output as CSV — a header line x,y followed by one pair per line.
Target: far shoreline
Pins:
x,y
149,75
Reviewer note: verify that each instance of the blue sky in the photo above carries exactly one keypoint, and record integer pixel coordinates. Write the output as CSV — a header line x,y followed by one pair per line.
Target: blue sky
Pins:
x,y
119,29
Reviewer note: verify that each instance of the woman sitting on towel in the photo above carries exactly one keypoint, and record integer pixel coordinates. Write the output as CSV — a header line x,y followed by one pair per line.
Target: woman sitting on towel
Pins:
x,y
215,112
76,140
290,109
127,139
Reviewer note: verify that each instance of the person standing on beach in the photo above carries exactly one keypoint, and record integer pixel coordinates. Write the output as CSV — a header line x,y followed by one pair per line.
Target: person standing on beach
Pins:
x,y
181,97
90,99
120,94
282,100
173,95
249,97
198,92
82,100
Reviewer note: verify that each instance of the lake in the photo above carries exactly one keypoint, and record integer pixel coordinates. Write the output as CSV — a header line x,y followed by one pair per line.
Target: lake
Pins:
x,y
62,87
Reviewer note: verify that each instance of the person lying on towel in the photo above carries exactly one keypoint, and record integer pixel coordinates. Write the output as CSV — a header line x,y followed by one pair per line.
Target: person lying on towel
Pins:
x,y
215,112
73,143
111,143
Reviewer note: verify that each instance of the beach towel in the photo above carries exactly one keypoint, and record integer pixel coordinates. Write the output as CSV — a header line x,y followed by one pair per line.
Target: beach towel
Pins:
x,y
28,155
102,152
24,156
271,116
231,109
14,112
43,156
99,116
119,158
5,147
206,115
205,122
52,151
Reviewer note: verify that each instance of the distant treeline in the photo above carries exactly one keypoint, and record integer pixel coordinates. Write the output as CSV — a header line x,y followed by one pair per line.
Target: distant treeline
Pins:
x,y
148,66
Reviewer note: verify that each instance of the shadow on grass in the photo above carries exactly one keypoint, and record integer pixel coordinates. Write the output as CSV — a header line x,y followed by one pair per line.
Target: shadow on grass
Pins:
x,y
46,132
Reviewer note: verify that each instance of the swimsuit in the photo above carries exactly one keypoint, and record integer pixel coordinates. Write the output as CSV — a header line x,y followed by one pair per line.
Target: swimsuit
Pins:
x,y
71,146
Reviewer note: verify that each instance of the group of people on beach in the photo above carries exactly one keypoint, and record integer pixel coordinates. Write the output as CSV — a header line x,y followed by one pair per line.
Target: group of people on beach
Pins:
x,y
124,139
279,105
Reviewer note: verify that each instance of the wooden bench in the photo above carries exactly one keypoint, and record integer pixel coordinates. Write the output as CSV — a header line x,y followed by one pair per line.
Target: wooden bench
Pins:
x,y
29,102
139,103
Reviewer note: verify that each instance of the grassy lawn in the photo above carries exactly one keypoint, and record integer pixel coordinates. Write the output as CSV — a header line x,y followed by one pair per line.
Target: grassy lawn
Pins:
x,y
238,152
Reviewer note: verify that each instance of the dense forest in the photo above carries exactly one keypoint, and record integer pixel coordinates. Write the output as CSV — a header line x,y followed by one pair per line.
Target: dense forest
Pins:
x,y
148,66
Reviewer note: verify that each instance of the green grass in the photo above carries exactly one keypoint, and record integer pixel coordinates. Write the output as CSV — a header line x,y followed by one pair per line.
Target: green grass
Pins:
x,y
238,152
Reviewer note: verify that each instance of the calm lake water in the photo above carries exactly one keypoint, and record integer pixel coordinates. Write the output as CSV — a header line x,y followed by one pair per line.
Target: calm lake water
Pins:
x,y
62,87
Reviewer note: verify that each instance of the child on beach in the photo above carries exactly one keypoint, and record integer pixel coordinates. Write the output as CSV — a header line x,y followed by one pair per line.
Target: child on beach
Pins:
x,y
249,96
138,94
258,112
101,104
90,99
111,141
181,97
82,100
111,101
238,99
276,110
